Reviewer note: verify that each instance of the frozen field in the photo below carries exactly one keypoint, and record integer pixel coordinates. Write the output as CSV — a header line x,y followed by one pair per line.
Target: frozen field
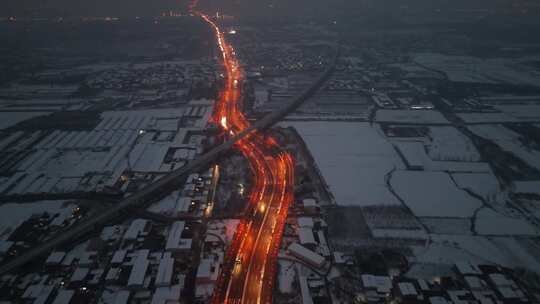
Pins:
x,y
479,70
443,148
353,159
450,249
448,144
485,185
411,116
509,141
12,215
414,152
489,222
433,194
8,119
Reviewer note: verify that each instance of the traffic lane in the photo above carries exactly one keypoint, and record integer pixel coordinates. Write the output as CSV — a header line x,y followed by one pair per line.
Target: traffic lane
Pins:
x,y
239,272
266,242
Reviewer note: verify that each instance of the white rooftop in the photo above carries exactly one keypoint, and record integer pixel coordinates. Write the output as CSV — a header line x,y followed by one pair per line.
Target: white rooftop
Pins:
x,y
64,296
165,295
175,241
407,289
165,270
79,274
306,236
55,258
304,253
305,221
467,268
118,256
121,297
136,228
138,272
309,202
382,284
438,300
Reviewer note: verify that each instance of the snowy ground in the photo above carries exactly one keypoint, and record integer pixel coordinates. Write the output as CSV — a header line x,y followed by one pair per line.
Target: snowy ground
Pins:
x,y
509,141
485,185
449,249
521,112
479,70
527,187
489,222
414,152
12,214
433,194
8,119
411,116
486,117
353,159
444,148
448,144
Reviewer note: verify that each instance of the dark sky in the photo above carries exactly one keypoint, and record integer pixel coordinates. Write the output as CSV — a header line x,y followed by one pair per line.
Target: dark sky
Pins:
x,y
154,7
87,7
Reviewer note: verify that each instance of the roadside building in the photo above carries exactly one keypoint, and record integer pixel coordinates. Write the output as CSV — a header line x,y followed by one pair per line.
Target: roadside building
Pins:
x,y
64,296
38,294
118,257
208,271
138,272
310,205
79,276
376,287
175,242
165,270
306,255
138,227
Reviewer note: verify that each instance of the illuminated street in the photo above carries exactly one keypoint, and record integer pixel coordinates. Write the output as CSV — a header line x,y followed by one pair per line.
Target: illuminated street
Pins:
x,y
249,268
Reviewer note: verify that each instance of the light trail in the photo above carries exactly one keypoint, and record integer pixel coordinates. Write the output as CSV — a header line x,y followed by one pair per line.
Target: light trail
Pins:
x,y
256,242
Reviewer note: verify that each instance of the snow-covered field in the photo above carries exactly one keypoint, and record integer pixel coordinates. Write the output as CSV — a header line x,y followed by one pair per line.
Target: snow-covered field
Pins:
x,y
411,116
521,112
450,249
532,187
509,141
479,70
489,222
448,144
509,113
485,185
12,214
486,117
433,194
444,148
353,159
8,119
454,226
414,152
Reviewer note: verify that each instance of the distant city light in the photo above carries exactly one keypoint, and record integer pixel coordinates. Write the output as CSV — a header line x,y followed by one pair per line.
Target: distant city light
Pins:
x,y
232,31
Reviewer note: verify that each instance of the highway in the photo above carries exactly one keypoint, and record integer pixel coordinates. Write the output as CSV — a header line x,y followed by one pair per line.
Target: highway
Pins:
x,y
248,271
166,184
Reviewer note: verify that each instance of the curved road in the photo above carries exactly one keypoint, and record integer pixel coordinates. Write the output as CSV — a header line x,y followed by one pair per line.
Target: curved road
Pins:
x,y
249,267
